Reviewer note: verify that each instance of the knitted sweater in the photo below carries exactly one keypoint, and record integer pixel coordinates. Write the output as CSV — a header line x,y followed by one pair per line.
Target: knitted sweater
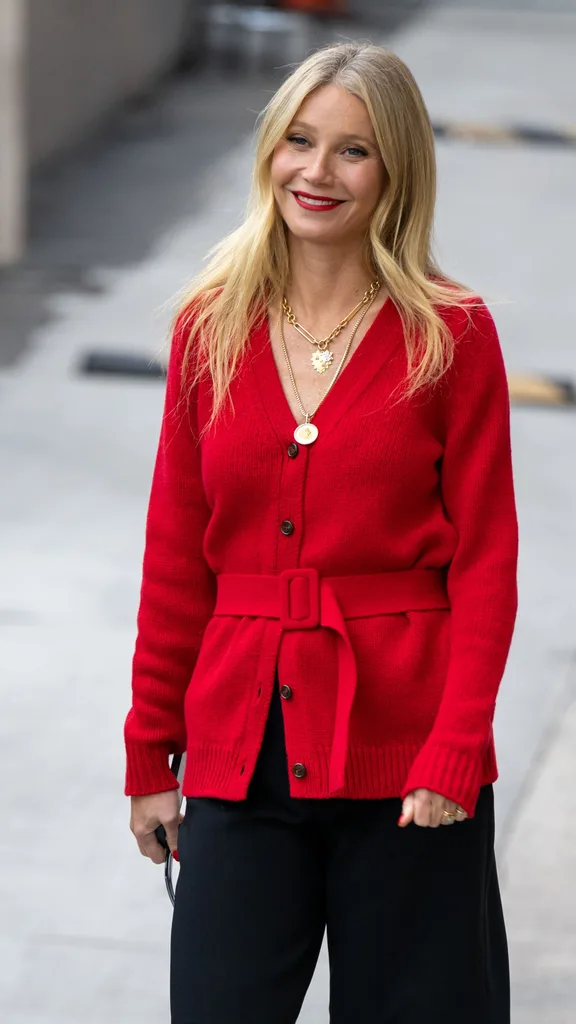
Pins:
x,y
391,486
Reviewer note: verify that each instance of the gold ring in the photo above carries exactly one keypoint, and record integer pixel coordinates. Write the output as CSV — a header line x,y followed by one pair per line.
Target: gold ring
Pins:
x,y
452,815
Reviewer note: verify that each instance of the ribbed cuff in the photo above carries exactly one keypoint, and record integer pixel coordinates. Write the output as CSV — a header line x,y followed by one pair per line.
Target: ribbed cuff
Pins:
x,y
148,770
454,774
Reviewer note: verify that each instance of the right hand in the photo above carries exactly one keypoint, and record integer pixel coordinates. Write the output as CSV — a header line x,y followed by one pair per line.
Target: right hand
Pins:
x,y
147,812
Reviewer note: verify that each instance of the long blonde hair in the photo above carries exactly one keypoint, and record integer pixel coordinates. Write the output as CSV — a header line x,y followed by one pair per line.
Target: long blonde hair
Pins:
x,y
250,267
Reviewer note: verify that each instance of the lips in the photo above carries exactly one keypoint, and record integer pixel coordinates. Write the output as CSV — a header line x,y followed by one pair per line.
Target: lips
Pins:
x,y
316,203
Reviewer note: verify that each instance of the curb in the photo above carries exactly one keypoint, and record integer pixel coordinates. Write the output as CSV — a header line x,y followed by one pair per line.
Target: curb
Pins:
x,y
532,135
525,389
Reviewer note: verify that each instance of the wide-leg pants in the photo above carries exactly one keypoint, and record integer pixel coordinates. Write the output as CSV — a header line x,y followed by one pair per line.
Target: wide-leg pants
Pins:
x,y
413,916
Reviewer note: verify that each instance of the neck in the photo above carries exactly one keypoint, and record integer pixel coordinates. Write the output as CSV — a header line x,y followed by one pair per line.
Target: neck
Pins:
x,y
325,281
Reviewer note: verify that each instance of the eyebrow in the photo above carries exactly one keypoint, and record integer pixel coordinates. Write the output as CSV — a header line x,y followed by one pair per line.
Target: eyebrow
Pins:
x,y
309,128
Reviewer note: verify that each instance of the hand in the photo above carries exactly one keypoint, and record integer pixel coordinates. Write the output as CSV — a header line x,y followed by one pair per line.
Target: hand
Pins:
x,y
426,808
147,812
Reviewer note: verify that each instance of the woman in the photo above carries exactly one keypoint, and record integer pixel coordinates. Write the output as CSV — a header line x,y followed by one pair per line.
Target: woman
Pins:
x,y
329,586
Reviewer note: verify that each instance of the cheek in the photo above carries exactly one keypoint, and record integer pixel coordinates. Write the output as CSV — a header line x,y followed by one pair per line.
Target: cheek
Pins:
x,y
368,187
281,168
367,193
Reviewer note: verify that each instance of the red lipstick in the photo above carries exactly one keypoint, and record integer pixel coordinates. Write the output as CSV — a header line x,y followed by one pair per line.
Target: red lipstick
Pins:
x,y
317,203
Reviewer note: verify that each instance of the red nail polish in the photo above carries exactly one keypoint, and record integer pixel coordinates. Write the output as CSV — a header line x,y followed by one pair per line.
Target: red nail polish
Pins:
x,y
400,819
175,856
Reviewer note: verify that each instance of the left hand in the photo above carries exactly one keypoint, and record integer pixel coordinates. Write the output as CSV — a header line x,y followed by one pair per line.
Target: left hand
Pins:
x,y
426,809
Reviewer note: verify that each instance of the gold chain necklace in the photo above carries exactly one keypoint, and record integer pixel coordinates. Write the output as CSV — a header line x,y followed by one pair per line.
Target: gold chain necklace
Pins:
x,y
307,432
323,357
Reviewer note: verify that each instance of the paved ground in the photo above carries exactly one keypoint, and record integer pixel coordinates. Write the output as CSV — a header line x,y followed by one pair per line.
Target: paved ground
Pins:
x,y
85,922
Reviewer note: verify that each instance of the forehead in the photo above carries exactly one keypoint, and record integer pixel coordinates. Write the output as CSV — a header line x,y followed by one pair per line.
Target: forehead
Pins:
x,y
332,108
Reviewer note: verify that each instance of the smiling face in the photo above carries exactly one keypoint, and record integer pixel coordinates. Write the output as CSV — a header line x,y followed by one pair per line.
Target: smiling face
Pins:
x,y
327,172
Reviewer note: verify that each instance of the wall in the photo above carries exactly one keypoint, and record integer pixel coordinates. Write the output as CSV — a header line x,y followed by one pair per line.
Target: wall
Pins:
x,y
12,131
84,56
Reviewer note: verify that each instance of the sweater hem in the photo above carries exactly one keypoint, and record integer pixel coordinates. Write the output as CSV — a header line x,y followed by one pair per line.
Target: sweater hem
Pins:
x,y
372,773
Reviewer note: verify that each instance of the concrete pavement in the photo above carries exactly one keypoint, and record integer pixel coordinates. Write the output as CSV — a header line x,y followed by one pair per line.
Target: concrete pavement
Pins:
x,y
540,869
85,921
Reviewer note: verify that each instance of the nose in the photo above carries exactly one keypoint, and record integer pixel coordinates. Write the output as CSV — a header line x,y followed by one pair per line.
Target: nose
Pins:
x,y
318,169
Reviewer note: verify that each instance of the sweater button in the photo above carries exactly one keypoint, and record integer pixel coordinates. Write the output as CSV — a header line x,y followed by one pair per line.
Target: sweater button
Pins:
x,y
299,770
287,527
292,450
286,692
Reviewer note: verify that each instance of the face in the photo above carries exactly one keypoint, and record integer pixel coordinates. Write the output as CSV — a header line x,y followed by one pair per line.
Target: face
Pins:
x,y
327,172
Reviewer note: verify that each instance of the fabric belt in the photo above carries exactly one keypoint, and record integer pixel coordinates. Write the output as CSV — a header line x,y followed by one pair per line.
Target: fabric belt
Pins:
x,y
302,599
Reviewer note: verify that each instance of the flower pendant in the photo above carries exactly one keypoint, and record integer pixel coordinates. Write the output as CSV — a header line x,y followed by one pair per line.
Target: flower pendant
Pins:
x,y
321,360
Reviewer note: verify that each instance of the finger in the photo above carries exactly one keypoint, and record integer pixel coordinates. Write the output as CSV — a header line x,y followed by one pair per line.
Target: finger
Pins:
x,y
451,807
150,847
455,811
422,808
437,807
172,833
407,811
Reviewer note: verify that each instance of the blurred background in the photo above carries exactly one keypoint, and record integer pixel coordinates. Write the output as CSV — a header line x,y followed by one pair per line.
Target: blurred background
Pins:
x,y
125,152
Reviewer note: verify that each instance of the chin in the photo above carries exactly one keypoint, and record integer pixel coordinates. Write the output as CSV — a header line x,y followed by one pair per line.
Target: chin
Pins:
x,y
305,229
319,235
322,237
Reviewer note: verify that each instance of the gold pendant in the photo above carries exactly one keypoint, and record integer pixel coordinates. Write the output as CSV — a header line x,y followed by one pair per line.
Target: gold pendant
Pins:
x,y
321,360
306,433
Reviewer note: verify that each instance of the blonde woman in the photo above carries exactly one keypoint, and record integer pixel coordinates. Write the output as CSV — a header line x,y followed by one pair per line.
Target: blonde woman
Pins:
x,y
329,586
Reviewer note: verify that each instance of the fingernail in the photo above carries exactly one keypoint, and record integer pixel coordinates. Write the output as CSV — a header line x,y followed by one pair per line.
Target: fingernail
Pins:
x,y
175,856
400,819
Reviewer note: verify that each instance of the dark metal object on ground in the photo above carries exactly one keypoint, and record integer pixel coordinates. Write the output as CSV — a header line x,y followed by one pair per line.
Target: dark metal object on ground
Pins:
x,y
511,134
120,364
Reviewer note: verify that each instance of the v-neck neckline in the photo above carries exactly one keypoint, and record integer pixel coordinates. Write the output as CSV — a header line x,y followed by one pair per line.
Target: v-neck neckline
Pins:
x,y
363,365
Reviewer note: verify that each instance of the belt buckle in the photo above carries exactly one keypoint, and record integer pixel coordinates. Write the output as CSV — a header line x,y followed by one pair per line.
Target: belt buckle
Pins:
x,y
299,599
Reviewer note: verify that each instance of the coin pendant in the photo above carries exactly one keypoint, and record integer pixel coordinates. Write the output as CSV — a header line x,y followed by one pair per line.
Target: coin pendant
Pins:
x,y
306,433
321,360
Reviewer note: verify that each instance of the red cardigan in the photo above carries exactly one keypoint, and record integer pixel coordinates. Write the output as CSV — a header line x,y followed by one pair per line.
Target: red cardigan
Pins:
x,y
376,568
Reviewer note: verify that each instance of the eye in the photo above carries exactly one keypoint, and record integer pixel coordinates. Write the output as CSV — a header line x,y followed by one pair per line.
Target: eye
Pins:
x,y
298,140
355,151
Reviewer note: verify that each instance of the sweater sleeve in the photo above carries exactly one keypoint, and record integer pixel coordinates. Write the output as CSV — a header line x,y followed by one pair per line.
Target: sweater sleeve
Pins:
x,y
478,494
177,595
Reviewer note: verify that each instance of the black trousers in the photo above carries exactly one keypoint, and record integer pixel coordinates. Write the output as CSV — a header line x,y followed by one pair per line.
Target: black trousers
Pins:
x,y
413,916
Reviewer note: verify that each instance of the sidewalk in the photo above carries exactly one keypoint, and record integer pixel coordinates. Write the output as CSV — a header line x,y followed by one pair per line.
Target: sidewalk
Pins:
x,y
540,872
84,935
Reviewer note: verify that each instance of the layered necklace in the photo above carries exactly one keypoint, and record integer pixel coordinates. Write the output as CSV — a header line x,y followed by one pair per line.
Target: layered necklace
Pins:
x,y
307,432
323,357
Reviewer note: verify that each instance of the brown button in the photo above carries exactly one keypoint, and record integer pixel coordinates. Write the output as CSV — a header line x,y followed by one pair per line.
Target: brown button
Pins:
x,y
286,692
299,770
287,527
293,450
